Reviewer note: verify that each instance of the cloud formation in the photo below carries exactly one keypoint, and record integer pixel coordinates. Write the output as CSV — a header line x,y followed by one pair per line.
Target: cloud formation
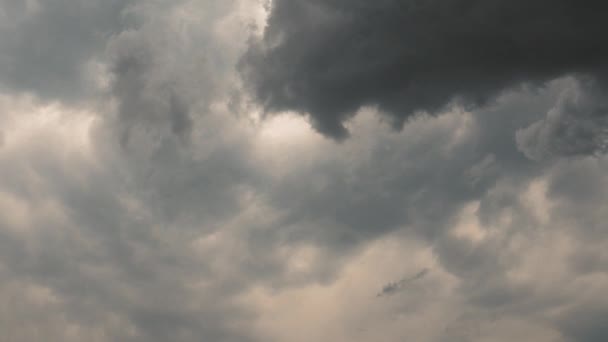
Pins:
x,y
576,126
146,196
329,58
50,48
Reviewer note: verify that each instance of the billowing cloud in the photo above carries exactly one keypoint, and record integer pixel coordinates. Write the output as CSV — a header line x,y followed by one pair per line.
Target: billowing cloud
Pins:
x,y
576,126
329,58
145,195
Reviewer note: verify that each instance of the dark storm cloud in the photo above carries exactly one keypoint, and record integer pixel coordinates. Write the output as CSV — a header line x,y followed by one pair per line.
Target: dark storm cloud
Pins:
x,y
328,58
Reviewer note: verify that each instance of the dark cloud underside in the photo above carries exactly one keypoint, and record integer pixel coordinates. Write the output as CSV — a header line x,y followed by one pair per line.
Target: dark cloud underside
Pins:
x,y
328,58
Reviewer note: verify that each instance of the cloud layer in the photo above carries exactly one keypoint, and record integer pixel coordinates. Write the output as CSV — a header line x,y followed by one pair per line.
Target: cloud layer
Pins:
x,y
146,195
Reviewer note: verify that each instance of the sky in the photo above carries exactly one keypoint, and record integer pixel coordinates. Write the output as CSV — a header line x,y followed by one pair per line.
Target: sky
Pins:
x,y
303,170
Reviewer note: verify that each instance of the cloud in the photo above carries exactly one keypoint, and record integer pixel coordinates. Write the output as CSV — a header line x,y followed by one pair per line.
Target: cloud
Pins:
x,y
585,323
144,197
328,59
576,126
103,232
50,48
86,251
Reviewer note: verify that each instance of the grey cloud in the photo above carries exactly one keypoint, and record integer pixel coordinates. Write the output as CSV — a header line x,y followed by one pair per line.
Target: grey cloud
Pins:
x,y
574,188
110,232
328,58
46,45
585,323
415,180
113,263
159,118
100,264
144,104
576,126
171,221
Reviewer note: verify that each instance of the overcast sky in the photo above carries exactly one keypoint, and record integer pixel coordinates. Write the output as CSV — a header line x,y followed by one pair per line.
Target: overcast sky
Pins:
x,y
303,170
